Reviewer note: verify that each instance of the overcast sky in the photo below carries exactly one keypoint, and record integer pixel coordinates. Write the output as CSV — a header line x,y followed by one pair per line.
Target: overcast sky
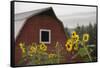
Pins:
x,y
70,15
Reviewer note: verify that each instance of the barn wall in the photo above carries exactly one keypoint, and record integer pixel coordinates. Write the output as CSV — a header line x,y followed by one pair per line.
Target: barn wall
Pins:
x,y
30,32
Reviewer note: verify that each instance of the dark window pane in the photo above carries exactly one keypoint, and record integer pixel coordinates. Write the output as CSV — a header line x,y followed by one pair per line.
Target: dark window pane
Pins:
x,y
44,36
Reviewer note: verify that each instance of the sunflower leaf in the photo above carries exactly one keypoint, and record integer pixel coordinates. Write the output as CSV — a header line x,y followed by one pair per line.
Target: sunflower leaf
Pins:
x,y
82,52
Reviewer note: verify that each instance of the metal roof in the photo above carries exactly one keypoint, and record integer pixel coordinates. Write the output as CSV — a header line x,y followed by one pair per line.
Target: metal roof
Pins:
x,y
28,14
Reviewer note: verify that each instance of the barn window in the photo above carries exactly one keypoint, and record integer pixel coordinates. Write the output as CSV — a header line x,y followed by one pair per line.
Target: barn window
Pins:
x,y
45,36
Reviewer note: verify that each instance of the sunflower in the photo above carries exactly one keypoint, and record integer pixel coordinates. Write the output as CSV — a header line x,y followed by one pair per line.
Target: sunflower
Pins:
x,y
85,37
77,38
69,45
43,47
32,50
73,34
21,45
51,56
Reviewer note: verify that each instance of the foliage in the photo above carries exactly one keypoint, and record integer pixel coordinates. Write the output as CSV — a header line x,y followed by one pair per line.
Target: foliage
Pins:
x,y
91,30
73,45
37,54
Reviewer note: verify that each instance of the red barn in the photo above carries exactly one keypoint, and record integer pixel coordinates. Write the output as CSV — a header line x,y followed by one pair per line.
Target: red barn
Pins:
x,y
40,26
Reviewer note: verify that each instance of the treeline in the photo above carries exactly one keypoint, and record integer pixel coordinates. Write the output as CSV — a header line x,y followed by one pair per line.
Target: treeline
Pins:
x,y
91,29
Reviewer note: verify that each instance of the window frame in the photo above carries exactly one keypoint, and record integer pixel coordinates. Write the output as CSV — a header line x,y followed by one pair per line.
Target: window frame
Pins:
x,y
40,36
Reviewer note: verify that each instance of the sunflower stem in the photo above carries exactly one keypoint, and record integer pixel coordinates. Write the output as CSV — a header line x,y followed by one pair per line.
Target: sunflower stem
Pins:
x,y
87,52
57,45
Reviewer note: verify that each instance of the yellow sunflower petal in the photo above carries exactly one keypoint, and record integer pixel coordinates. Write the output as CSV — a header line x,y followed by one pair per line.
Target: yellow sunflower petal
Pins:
x,y
32,50
69,45
43,47
85,37
77,38
73,34
50,56
22,47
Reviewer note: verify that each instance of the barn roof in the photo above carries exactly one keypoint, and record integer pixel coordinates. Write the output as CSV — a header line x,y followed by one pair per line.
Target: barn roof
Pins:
x,y
44,11
20,18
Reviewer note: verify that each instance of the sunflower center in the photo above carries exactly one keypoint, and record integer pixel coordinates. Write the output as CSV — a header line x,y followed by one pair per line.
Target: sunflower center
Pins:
x,y
68,46
85,38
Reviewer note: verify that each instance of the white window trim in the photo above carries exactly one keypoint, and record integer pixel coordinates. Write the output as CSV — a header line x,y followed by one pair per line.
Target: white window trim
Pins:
x,y
49,36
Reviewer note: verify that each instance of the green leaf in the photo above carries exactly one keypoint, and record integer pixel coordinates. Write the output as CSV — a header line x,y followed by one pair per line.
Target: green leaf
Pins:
x,y
82,52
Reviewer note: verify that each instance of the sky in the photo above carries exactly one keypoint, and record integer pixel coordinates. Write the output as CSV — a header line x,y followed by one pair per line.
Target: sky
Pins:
x,y
70,15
